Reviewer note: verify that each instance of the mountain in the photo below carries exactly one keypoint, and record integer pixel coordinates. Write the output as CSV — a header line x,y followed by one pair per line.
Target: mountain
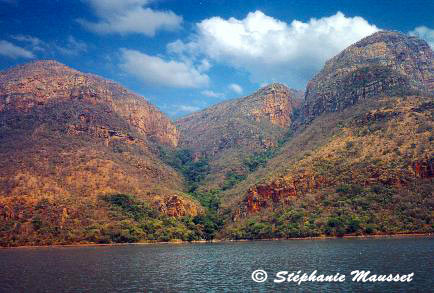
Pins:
x,y
360,156
228,133
67,140
385,63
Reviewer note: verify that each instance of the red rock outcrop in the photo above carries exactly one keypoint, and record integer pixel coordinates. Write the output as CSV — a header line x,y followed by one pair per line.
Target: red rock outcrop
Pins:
x,y
424,169
279,192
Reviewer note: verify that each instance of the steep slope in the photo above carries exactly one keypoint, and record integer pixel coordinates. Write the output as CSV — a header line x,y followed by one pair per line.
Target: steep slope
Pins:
x,y
229,132
361,158
66,139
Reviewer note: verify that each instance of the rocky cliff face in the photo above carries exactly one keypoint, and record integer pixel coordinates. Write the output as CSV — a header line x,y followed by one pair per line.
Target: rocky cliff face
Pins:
x,y
385,63
274,103
372,163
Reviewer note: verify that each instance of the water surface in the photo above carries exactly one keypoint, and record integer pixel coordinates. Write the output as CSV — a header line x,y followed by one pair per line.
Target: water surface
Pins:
x,y
216,267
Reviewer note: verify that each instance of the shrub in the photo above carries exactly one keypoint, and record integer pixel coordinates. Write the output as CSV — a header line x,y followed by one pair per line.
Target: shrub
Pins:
x,y
258,160
353,225
232,179
129,205
370,228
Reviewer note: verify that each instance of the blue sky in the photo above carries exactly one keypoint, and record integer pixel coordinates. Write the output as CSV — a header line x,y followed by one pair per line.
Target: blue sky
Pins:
x,y
185,55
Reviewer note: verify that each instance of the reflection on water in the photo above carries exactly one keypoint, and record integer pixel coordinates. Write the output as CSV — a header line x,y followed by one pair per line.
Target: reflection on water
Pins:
x,y
216,267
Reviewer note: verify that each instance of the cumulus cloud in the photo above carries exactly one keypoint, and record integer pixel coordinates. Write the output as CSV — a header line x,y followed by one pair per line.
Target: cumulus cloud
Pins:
x,y
12,51
425,33
129,16
154,70
236,88
270,49
211,94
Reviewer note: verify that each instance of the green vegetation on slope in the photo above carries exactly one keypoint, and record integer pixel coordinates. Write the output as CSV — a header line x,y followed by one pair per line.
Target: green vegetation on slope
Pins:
x,y
349,209
182,160
136,221
194,171
115,218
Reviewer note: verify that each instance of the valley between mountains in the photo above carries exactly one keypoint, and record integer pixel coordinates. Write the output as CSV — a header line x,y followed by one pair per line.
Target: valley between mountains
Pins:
x,y
84,160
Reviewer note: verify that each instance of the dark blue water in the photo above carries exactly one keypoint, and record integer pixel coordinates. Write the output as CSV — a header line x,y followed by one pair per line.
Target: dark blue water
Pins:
x,y
217,267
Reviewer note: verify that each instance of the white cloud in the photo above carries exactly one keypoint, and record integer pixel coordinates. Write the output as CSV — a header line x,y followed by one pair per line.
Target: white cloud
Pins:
x,y
424,33
236,88
187,109
72,47
12,51
270,49
26,38
179,110
36,43
154,70
204,65
211,94
129,16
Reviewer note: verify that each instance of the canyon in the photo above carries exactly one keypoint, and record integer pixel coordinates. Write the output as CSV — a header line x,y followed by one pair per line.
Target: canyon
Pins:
x,y
84,160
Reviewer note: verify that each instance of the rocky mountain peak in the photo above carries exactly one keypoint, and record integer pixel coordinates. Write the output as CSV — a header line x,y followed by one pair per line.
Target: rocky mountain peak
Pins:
x,y
67,136
229,132
275,103
271,105
39,84
384,63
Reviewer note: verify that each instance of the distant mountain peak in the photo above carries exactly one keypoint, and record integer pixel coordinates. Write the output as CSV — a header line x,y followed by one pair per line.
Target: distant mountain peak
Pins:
x,y
384,63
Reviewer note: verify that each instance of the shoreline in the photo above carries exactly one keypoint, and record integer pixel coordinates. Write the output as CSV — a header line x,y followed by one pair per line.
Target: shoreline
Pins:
x,y
176,241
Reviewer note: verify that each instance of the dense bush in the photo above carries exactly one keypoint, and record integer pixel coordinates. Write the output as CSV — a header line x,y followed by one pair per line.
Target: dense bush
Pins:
x,y
350,210
134,220
193,170
232,179
257,160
